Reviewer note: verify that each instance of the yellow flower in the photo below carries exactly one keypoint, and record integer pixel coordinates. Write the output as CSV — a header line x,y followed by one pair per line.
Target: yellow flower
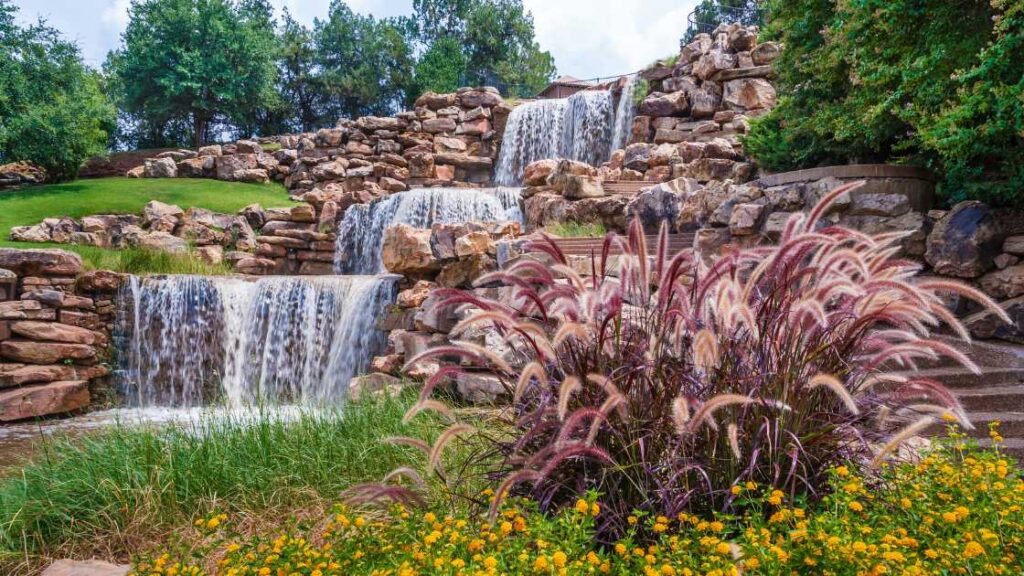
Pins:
x,y
736,490
722,548
582,506
490,563
973,550
620,549
856,506
541,563
559,559
843,471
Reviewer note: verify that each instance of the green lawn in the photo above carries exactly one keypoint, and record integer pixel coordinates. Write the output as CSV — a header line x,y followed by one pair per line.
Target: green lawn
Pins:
x,y
126,196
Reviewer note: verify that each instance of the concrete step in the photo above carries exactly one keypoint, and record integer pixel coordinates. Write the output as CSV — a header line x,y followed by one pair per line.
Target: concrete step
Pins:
x,y
992,398
981,352
961,378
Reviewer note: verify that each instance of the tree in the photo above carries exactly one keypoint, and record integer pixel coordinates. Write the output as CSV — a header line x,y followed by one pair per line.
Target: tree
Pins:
x,y
978,137
496,39
365,65
710,13
298,81
53,109
205,60
442,66
862,81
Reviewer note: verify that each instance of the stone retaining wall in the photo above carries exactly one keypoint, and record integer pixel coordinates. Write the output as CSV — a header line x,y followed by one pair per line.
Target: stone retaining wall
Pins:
x,y
446,140
55,329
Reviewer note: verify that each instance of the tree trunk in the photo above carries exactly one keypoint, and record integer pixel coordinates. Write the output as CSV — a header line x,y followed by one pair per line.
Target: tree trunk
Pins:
x,y
199,123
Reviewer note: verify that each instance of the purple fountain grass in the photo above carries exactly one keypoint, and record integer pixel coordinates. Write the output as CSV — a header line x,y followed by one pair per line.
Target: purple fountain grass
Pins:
x,y
664,383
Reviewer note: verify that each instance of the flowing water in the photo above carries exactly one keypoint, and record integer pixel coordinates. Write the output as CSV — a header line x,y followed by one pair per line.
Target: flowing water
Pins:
x,y
361,233
578,128
188,341
625,113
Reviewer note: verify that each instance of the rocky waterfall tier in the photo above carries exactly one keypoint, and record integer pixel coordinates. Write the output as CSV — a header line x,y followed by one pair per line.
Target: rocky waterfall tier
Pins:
x,y
361,232
191,340
579,127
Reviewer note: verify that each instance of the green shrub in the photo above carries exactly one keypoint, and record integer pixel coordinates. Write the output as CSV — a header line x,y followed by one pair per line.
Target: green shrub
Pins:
x,y
925,82
576,230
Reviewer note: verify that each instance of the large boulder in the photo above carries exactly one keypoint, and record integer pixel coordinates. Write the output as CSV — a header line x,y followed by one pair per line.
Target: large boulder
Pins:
x,y
40,262
160,168
228,165
54,332
986,325
1005,283
964,242
31,352
156,212
659,104
407,251
580,187
46,400
749,94
162,242
661,203
481,388
536,173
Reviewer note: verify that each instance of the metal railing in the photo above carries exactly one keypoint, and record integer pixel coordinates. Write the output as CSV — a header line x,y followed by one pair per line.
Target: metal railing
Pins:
x,y
701,21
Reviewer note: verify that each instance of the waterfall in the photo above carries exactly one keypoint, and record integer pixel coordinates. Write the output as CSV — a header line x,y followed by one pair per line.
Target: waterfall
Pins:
x,y
578,128
191,340
625,113
361,232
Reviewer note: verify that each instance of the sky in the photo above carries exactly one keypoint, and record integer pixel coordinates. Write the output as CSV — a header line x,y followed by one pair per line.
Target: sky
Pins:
x,y
588,38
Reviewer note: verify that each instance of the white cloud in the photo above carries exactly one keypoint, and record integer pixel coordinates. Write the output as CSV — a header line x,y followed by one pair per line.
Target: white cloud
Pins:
x,y
588,38
116,14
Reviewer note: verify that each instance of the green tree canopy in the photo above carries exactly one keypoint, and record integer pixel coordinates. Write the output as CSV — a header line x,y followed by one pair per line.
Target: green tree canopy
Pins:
x,y
710,13
910,81
204,61
365,64
497,42
53,111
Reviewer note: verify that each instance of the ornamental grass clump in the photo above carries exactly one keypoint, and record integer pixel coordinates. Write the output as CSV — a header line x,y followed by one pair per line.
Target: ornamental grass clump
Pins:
x,y
662,382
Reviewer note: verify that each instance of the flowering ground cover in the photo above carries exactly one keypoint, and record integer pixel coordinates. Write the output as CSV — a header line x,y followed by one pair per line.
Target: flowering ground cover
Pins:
x,y
956,510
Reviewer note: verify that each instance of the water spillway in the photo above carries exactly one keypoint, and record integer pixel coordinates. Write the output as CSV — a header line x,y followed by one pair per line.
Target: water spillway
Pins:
x,y
191,341
579,127
361,232
625,112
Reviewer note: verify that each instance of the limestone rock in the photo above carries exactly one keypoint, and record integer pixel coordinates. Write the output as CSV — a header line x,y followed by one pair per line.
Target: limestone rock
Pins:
x,y
473,244
766,53
155,210
372,385
227,166
985,324
659,104
163,242
712,63
1005,283
86,568
661,203
481,388
46,400
44,352
964,243
212,255
40,262
536,173
160,168
749,94
745,219
407,251
580,187
1014,245
103,281
54,332
415,296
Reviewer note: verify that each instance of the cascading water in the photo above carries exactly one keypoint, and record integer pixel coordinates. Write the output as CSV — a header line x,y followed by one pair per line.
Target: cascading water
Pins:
x,y
190,340
361,233
625,113
578,128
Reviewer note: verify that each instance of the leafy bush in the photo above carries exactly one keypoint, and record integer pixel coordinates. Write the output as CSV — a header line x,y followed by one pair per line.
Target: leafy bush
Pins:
x,y
927,82
955,511
662,382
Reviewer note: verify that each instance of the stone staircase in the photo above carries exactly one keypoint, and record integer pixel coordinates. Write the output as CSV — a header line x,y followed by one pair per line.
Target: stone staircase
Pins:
x,y
996,394
626,187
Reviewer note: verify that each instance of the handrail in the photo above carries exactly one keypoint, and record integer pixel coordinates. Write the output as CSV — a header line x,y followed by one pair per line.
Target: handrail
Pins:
x,y
744,15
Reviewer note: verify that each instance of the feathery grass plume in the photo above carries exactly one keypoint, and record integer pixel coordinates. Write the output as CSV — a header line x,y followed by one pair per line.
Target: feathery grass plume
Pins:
x,y
639,356
437,450
570,386
425,405
837,387
911,431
